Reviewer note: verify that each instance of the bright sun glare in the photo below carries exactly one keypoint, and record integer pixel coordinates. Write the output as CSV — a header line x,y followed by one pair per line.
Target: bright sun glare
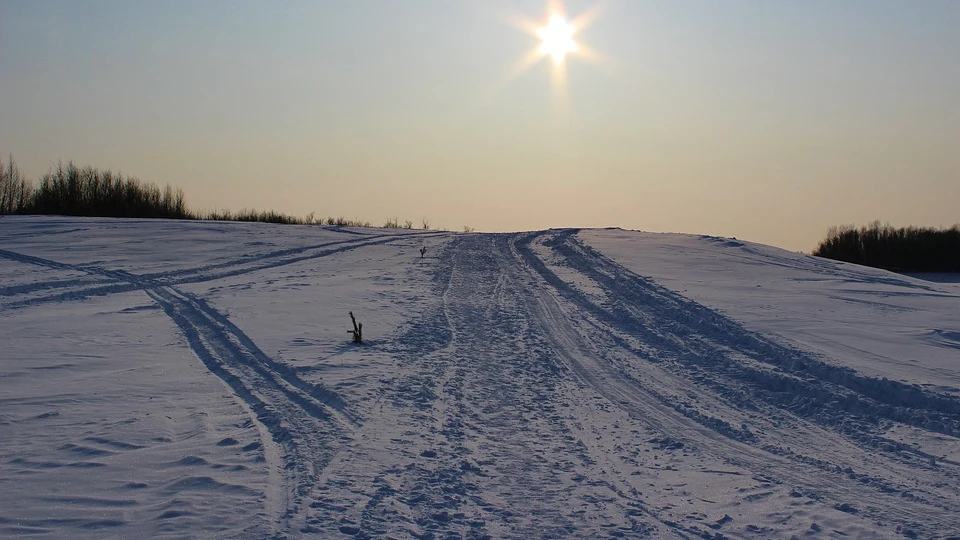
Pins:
x,y
556,35
557,38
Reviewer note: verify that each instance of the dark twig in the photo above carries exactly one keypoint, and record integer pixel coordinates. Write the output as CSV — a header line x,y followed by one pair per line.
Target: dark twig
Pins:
x,y
357,330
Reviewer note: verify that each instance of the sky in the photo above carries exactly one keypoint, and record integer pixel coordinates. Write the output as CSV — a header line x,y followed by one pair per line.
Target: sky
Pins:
x,y
767,121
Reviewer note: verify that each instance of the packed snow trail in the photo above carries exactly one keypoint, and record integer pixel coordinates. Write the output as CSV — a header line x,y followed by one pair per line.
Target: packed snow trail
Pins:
x,y
482,432
470,439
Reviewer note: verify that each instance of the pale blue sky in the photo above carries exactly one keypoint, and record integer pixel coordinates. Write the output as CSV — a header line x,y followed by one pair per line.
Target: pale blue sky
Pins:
x,y
764,120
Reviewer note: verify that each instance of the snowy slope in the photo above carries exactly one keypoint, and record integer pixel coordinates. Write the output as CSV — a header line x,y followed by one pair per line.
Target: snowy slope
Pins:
x,y
180,379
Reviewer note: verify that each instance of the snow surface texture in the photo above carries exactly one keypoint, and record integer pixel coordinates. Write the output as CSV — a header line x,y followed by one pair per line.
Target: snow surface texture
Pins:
x,y
186,379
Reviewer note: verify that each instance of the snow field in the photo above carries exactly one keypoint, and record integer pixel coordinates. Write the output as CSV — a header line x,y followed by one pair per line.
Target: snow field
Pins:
x,y
196,380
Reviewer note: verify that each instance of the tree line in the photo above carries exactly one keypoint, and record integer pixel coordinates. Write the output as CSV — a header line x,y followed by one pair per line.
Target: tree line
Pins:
x,y
69,190
905,249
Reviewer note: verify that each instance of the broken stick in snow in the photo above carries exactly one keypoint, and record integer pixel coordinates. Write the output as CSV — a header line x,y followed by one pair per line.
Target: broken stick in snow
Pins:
x,y
357,330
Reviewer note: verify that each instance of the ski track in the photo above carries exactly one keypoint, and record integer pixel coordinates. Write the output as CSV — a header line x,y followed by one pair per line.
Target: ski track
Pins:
x,y
483,428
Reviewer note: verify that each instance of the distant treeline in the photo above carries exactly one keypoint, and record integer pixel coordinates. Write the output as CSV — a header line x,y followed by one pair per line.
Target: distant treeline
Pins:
x,y
908,249
69,190
73,191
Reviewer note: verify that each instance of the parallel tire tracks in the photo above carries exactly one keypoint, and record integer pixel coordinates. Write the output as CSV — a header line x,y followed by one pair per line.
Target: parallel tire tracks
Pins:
x,y
301,424
687,339
119,282
301,429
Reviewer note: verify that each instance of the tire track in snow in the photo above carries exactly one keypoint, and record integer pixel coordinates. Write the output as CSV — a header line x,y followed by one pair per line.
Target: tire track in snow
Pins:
x,y
501,412
384,483
276,259
210,349
301,424
27,288
200,274
316,393
673,328
296,421
755,373
495,409
102,286
796,372
472,438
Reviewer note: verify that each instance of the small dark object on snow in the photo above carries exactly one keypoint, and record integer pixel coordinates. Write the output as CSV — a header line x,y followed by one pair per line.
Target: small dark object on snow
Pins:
x,y
357,330
423,251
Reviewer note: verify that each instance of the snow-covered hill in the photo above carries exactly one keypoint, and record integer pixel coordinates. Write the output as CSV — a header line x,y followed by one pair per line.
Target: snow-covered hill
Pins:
x,y
191,379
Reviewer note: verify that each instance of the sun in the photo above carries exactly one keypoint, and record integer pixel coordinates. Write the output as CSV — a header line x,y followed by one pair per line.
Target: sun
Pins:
x,y
557,38
556,34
